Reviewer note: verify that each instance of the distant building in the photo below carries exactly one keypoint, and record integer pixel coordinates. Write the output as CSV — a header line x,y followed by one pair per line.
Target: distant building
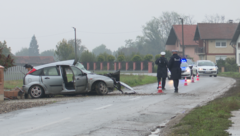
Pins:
x,y
214,39
33,60
236,43
174,41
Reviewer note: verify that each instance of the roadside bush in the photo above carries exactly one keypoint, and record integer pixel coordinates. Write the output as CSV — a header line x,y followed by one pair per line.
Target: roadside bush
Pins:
x,y
229,64
111,58
157,56
100,58
120,58
136,58
148,57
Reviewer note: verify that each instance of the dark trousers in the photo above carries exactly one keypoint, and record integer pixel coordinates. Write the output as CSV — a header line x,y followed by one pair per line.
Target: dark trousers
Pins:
x,y
176,82
163,81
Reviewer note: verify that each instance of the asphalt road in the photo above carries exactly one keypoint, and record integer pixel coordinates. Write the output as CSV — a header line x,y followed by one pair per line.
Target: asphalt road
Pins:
x,y
111,115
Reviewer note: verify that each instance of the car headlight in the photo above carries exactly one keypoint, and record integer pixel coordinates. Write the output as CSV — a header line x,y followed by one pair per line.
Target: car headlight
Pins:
x,y
188,70
214,69
200,69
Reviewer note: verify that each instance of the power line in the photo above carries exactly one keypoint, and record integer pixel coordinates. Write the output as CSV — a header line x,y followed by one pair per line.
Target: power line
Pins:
x,y
108,32
71,32
39,36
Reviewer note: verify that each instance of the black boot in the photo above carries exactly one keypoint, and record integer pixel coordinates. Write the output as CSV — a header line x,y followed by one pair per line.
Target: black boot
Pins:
x,y
176,91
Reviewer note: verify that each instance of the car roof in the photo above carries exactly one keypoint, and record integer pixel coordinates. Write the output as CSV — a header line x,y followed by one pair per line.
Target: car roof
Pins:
x,y
66,62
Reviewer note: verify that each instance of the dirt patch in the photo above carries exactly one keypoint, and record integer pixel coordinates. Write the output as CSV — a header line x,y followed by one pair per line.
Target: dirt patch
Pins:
x,y
13,105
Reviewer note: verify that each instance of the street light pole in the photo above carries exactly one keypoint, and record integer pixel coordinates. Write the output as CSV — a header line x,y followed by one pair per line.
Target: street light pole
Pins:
x,y
75,43
183,47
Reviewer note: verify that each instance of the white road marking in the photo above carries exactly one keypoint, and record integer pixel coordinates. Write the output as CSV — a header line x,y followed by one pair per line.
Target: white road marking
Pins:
x,y
103,107
40,127
135,98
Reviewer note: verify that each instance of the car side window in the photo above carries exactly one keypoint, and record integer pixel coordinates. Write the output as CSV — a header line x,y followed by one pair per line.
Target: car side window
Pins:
x,y
37,73
76,71
50,71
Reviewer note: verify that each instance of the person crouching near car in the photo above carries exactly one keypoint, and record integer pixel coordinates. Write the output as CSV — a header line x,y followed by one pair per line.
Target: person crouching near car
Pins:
x,y
28,67
162,69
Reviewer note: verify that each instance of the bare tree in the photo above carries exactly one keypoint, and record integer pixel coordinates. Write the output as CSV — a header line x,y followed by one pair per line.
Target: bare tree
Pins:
x,y
168,19
214,19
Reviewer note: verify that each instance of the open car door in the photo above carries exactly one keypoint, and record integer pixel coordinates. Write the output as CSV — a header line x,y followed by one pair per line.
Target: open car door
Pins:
x,y
80,80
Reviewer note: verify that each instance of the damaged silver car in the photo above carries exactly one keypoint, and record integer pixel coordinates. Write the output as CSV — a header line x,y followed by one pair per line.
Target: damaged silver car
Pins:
x,y
69,77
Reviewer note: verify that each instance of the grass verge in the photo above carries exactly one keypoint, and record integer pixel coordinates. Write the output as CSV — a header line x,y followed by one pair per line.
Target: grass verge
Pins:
x,y
12,84
213,118
229,74
131,80
135,80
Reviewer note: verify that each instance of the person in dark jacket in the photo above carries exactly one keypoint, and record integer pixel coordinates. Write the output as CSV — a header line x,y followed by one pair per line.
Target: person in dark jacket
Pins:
x,y
28,67
175,69
162,69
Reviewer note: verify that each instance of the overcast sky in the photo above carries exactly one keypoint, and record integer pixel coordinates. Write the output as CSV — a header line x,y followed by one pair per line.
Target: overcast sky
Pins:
x,y
108,22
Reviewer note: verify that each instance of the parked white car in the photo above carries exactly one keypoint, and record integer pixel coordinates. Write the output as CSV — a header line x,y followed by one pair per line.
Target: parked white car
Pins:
x,y
205,67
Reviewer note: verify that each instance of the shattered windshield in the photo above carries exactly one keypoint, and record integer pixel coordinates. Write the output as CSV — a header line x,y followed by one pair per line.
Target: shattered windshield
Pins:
x,y
80,66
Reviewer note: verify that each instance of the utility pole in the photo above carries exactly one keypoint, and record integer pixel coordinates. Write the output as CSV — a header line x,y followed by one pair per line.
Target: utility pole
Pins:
x,y
183,47
75,43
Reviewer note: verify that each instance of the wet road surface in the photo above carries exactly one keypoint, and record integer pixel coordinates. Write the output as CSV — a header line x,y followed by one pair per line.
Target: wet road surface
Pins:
x,y
113,114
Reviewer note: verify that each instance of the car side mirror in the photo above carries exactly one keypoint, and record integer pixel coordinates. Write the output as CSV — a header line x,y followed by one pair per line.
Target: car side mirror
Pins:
x,y
84,74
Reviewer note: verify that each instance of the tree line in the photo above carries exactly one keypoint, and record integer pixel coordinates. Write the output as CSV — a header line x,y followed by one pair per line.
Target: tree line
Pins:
x,y
145,47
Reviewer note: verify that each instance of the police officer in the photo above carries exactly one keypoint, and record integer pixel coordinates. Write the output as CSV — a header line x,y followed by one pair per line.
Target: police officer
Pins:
x,y
175,68
162,69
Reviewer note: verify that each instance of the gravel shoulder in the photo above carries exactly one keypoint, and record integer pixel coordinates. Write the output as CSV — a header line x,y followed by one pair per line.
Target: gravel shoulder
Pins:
x,y
13,105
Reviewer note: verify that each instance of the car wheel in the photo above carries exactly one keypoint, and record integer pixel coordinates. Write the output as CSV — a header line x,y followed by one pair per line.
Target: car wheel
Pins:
x,y
36,91
215,75
101,88
210,75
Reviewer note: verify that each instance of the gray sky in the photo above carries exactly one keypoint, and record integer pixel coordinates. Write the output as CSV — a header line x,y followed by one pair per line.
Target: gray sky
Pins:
x,y
108,22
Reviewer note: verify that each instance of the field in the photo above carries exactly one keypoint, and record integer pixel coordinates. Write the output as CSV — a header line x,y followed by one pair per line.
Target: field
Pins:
x,y
131,80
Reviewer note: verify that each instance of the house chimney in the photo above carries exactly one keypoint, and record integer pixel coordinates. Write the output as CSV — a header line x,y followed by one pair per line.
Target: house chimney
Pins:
x,y
230,21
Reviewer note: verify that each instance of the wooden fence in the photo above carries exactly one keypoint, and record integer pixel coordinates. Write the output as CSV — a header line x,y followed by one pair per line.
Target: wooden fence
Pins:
x,y
15,73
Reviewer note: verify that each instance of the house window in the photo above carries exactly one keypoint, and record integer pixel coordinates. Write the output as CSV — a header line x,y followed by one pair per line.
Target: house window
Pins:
x,y
221,44
220,57
238,46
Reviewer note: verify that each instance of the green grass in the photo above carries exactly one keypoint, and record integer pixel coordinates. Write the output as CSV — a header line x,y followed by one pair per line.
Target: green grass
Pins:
x,y
230,74
213,118
135,80
131,80
12,84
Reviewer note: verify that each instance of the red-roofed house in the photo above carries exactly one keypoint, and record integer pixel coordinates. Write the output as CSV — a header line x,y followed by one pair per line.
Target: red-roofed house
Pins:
x,y
235,42
174,41
33,60
215,39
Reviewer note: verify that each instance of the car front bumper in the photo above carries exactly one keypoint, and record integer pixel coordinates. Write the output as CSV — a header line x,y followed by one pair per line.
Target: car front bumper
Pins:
x,y
204,72
186,74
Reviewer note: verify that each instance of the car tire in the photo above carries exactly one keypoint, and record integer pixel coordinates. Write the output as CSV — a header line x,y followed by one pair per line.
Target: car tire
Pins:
x,y
210,75
215,75
36,91
101,88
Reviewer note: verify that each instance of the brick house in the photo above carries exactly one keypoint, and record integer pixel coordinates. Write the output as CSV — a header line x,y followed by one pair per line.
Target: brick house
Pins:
x,y
33,60
214,39
174,41
236,43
